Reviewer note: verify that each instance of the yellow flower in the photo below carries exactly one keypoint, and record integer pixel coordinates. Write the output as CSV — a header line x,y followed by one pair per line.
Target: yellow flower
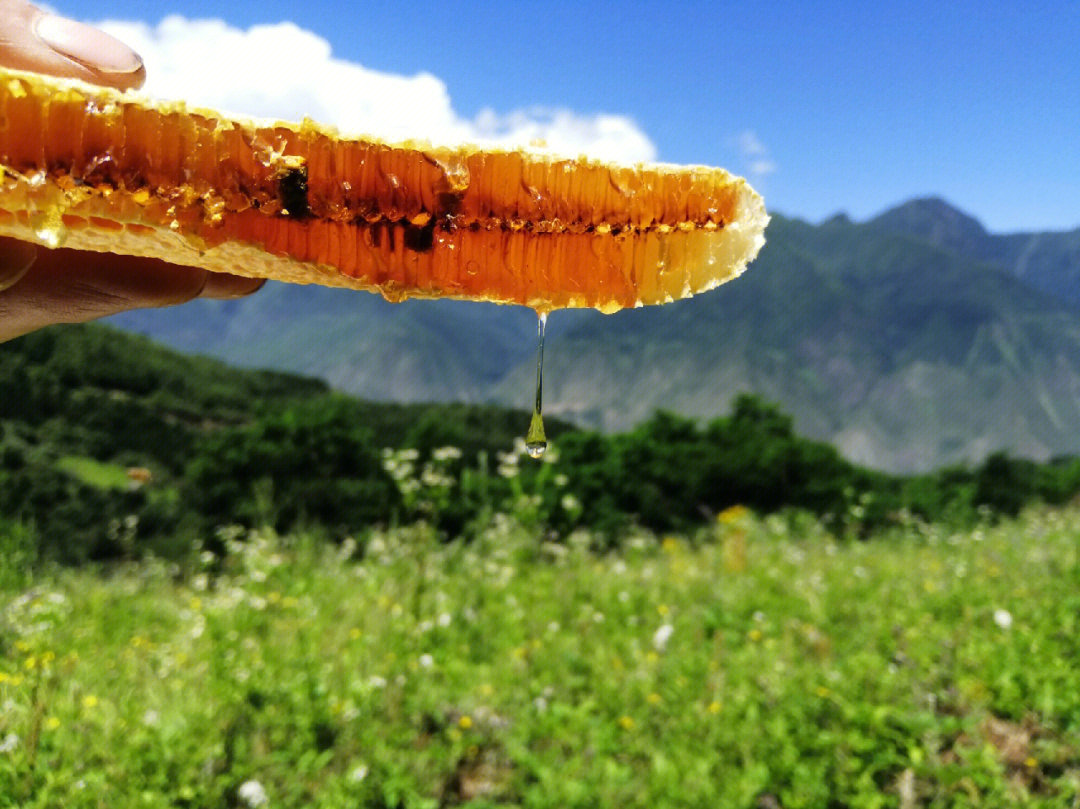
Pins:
x,y
195,603
355,633
822,691
670,544
486,690
626,722
1030,763
22,646
289,602
52,723
732,514
89,701
465,722
30,663
47,657
714,707
662,609
654,698
754,634
652,656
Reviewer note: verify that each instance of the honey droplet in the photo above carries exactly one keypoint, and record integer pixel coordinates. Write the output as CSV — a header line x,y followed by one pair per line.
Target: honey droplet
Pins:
x,y
536,439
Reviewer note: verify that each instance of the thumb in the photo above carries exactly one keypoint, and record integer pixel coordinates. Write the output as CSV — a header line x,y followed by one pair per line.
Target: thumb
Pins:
x,y
15,259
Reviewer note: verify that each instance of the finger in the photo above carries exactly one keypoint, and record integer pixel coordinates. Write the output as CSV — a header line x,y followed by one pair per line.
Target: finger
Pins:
x,y
69,286
226,287
35,40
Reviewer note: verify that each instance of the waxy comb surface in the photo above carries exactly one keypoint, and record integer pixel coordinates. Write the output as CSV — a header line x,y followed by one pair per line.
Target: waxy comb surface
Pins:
x,y
95,169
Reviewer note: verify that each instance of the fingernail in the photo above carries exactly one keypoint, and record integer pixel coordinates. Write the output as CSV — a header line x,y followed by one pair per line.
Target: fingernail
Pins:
x,y
225,287
15,259
88,46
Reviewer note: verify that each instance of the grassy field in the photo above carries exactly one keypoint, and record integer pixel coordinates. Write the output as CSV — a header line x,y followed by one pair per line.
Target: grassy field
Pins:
x,y
759,663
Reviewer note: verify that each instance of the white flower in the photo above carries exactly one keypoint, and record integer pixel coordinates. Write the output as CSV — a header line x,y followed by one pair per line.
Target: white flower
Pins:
x,y
375,681
661,637
9,743
446,454
253,794
359,774
444,619
426,661
1003,618
540,704
150,717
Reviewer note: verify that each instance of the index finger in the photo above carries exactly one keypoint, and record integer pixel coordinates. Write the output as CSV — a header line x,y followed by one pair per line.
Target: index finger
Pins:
x,y
35,40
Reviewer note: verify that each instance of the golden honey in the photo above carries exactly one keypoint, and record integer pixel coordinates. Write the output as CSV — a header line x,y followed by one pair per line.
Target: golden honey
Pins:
x,y
95,169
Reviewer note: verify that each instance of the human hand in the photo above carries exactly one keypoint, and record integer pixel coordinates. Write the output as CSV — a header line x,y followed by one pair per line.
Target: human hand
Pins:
x,y
40,287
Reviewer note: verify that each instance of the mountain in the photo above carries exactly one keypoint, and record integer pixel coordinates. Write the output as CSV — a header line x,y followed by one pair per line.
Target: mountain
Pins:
x,y
1048,261
909,341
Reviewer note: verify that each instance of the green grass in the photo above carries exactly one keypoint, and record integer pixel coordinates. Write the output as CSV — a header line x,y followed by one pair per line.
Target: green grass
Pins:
x,y
95,473
923,668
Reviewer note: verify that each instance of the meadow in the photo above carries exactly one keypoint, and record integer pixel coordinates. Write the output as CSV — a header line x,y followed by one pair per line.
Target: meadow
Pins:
x,y
753,662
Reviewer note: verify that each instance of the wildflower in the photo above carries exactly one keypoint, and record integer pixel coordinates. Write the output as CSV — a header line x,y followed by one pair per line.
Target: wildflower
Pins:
x,y
541,704
754,635
89,702
627,722
662,609
375,681
670,544
52,723
444,619
732,514
822,691
465,722
713,707
150,717
359,774
9,743
446,454
1003,618
252,793
661,637
426,661
654,698
355,633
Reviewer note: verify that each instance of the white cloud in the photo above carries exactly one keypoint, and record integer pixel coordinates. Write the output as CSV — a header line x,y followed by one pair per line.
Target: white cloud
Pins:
x,y
750,145
760,168
755,155
285,72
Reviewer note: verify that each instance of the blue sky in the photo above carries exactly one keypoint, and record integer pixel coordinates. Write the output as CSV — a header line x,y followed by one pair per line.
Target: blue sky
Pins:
x,y
825,106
